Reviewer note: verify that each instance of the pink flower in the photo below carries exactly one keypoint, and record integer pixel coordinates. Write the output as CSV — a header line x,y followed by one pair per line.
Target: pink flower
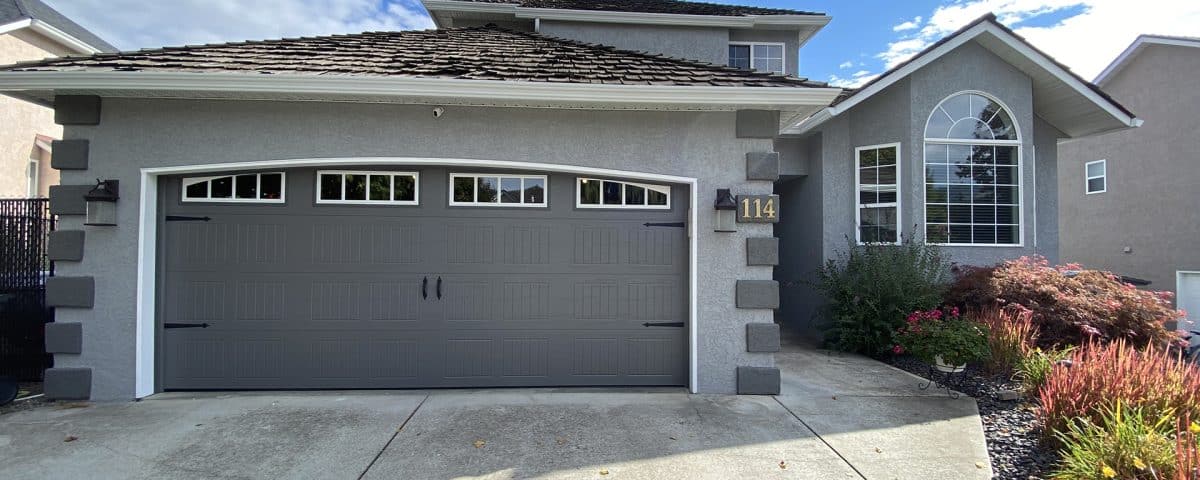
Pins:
x,y
897,350
954,312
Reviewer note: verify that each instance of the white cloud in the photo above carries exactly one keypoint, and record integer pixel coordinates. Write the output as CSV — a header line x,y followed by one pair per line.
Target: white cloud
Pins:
x,y
846,64
854,80
132,24
1086,42
909,25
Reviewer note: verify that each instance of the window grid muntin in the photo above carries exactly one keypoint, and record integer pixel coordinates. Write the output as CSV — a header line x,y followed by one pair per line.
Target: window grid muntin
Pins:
x,y
757,52
649,189
877,208
500,177
1088,177
342,175
1014,207
232,198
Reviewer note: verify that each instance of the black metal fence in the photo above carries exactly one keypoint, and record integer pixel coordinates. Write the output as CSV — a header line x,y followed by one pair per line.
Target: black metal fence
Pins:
x,y
25,225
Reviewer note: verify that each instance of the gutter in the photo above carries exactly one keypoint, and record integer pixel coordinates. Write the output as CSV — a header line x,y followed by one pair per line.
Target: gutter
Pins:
x,y
604,16
51,32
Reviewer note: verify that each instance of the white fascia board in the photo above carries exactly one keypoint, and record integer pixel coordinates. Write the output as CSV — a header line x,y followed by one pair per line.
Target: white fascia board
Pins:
x,y
600,16
487,91
63,38
17,25
948,47
1135,48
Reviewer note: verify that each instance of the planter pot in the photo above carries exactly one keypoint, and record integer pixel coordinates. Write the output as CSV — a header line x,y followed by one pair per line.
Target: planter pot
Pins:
x,y
941,366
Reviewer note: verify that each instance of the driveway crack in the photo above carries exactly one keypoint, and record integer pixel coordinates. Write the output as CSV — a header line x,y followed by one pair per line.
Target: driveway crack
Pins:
x,y
393,438
819,437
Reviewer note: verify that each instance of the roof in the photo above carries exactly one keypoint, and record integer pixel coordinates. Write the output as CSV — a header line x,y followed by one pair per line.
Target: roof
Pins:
x,y
677,7
1140,44
1047,75
17,10
475,53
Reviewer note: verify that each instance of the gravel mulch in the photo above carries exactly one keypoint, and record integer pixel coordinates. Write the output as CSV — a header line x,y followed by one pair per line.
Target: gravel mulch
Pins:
x,y
1013,439
23,401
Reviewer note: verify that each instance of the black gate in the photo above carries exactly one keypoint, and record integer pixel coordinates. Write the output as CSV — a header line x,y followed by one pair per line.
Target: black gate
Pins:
x,y
25,225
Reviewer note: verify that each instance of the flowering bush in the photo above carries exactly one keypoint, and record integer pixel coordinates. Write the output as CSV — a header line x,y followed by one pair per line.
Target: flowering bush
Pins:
x,y
1069,306
1155,380
932,333
1012,336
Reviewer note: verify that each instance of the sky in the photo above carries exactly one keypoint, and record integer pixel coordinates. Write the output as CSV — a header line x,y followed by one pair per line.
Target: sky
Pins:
x,y
865,37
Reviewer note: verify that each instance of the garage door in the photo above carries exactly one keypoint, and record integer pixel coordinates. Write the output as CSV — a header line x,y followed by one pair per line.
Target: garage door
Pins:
x,y
311,278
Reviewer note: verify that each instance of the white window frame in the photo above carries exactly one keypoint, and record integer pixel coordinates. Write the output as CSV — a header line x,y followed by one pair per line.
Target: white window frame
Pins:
x,y
34,176
416,187
664,189
499,176
1087,180
782,52
858,205
188,181
1020,200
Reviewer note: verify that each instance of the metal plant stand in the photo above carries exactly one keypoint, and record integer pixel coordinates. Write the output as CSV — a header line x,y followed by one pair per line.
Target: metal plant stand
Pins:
x,y
948,381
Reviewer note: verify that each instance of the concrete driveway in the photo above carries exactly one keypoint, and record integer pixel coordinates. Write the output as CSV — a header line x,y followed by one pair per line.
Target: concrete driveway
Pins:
x,y
878,426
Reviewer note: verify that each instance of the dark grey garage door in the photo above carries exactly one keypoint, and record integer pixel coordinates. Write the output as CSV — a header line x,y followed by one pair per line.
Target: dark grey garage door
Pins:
x,y
301,294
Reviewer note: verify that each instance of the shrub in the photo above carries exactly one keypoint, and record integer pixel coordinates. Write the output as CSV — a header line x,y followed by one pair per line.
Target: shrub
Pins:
x,y
933,333
1011,336
1036,364
871,288
1070,307
1123,444
1155,380
1187,450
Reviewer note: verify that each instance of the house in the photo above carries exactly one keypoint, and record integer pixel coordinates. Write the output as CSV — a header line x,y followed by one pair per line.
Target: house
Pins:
x,y
502,202
1126,195
31,30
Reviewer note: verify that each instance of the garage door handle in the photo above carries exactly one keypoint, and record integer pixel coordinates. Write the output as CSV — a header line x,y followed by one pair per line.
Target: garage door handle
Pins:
x,y
424,284
439,288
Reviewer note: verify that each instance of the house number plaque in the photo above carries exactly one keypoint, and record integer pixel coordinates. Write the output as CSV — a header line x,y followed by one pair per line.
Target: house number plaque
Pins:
x,y
758,208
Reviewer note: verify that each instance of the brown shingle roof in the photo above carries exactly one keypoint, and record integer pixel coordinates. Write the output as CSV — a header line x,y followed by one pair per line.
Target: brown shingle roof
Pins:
x,y
480,53
652,6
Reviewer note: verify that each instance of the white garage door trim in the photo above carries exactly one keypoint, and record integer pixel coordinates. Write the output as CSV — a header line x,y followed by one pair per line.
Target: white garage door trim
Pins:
x,y
148,235
1193,314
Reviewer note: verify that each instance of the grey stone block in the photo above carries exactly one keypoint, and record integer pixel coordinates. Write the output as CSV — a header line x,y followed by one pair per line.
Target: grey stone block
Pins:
x,y
762,337
68,199
64,337
757,294
757,381
65,245
68,383
77,110
757,123
762,251
69,154
762,166
77,292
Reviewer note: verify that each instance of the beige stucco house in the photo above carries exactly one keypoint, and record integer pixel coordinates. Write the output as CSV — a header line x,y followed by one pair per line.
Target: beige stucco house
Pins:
x,y
31,30
1128,198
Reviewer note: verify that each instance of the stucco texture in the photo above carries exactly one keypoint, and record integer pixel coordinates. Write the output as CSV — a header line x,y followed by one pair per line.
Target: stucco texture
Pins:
x,y
134,134
1153,174
21,122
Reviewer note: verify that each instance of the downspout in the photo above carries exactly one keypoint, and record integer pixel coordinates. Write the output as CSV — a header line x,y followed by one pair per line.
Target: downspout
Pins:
x,y
537,25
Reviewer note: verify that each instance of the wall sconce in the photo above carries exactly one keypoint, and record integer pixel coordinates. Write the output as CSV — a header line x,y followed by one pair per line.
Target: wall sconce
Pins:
x,y
102,203
726,207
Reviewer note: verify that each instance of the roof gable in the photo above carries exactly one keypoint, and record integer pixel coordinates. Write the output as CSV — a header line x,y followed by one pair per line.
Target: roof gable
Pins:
x,y
12,11
1135,48
1061,97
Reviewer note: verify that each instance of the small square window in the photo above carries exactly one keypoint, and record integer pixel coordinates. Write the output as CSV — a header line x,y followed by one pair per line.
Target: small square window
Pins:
x,y
365,188
247,186
222,187
1097,176
487,190
498,190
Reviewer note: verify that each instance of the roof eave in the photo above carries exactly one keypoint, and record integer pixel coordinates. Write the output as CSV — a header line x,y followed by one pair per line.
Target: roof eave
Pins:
x,y
814,22
26,85
1135,48
49,31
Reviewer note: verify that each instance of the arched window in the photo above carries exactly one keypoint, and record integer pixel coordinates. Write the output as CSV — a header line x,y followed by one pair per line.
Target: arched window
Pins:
x,y
972,173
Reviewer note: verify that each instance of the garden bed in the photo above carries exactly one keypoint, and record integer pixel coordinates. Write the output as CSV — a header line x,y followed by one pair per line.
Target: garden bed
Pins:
x,y
1009,426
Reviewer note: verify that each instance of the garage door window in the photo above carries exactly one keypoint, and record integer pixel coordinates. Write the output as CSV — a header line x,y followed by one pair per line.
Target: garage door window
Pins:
x,y
367,188
248,188
497,190
594,193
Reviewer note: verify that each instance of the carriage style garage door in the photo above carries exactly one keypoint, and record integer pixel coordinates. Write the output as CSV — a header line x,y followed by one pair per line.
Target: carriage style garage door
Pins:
x,y
296,278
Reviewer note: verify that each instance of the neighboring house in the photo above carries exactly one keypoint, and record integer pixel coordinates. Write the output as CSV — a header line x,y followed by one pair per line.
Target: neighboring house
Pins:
x,y
1129,198
31,30
510,206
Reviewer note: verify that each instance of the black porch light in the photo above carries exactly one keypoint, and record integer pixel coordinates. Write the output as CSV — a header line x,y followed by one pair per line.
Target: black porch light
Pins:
x,y
102,203
726,207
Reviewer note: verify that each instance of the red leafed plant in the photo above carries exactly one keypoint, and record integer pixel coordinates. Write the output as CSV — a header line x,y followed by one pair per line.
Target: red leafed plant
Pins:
x,y
1070,306
1155,379
1011,335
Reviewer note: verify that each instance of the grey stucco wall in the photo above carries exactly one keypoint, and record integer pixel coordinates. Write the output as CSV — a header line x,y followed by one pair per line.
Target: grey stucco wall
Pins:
x,y
801,244
142,133
1153,173
707,44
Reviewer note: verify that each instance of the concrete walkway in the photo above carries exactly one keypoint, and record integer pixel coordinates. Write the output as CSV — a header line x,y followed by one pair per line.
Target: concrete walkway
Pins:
x,y
879,426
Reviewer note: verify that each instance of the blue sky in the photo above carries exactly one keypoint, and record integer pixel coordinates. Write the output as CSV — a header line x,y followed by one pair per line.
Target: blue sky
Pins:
x,y
864,38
